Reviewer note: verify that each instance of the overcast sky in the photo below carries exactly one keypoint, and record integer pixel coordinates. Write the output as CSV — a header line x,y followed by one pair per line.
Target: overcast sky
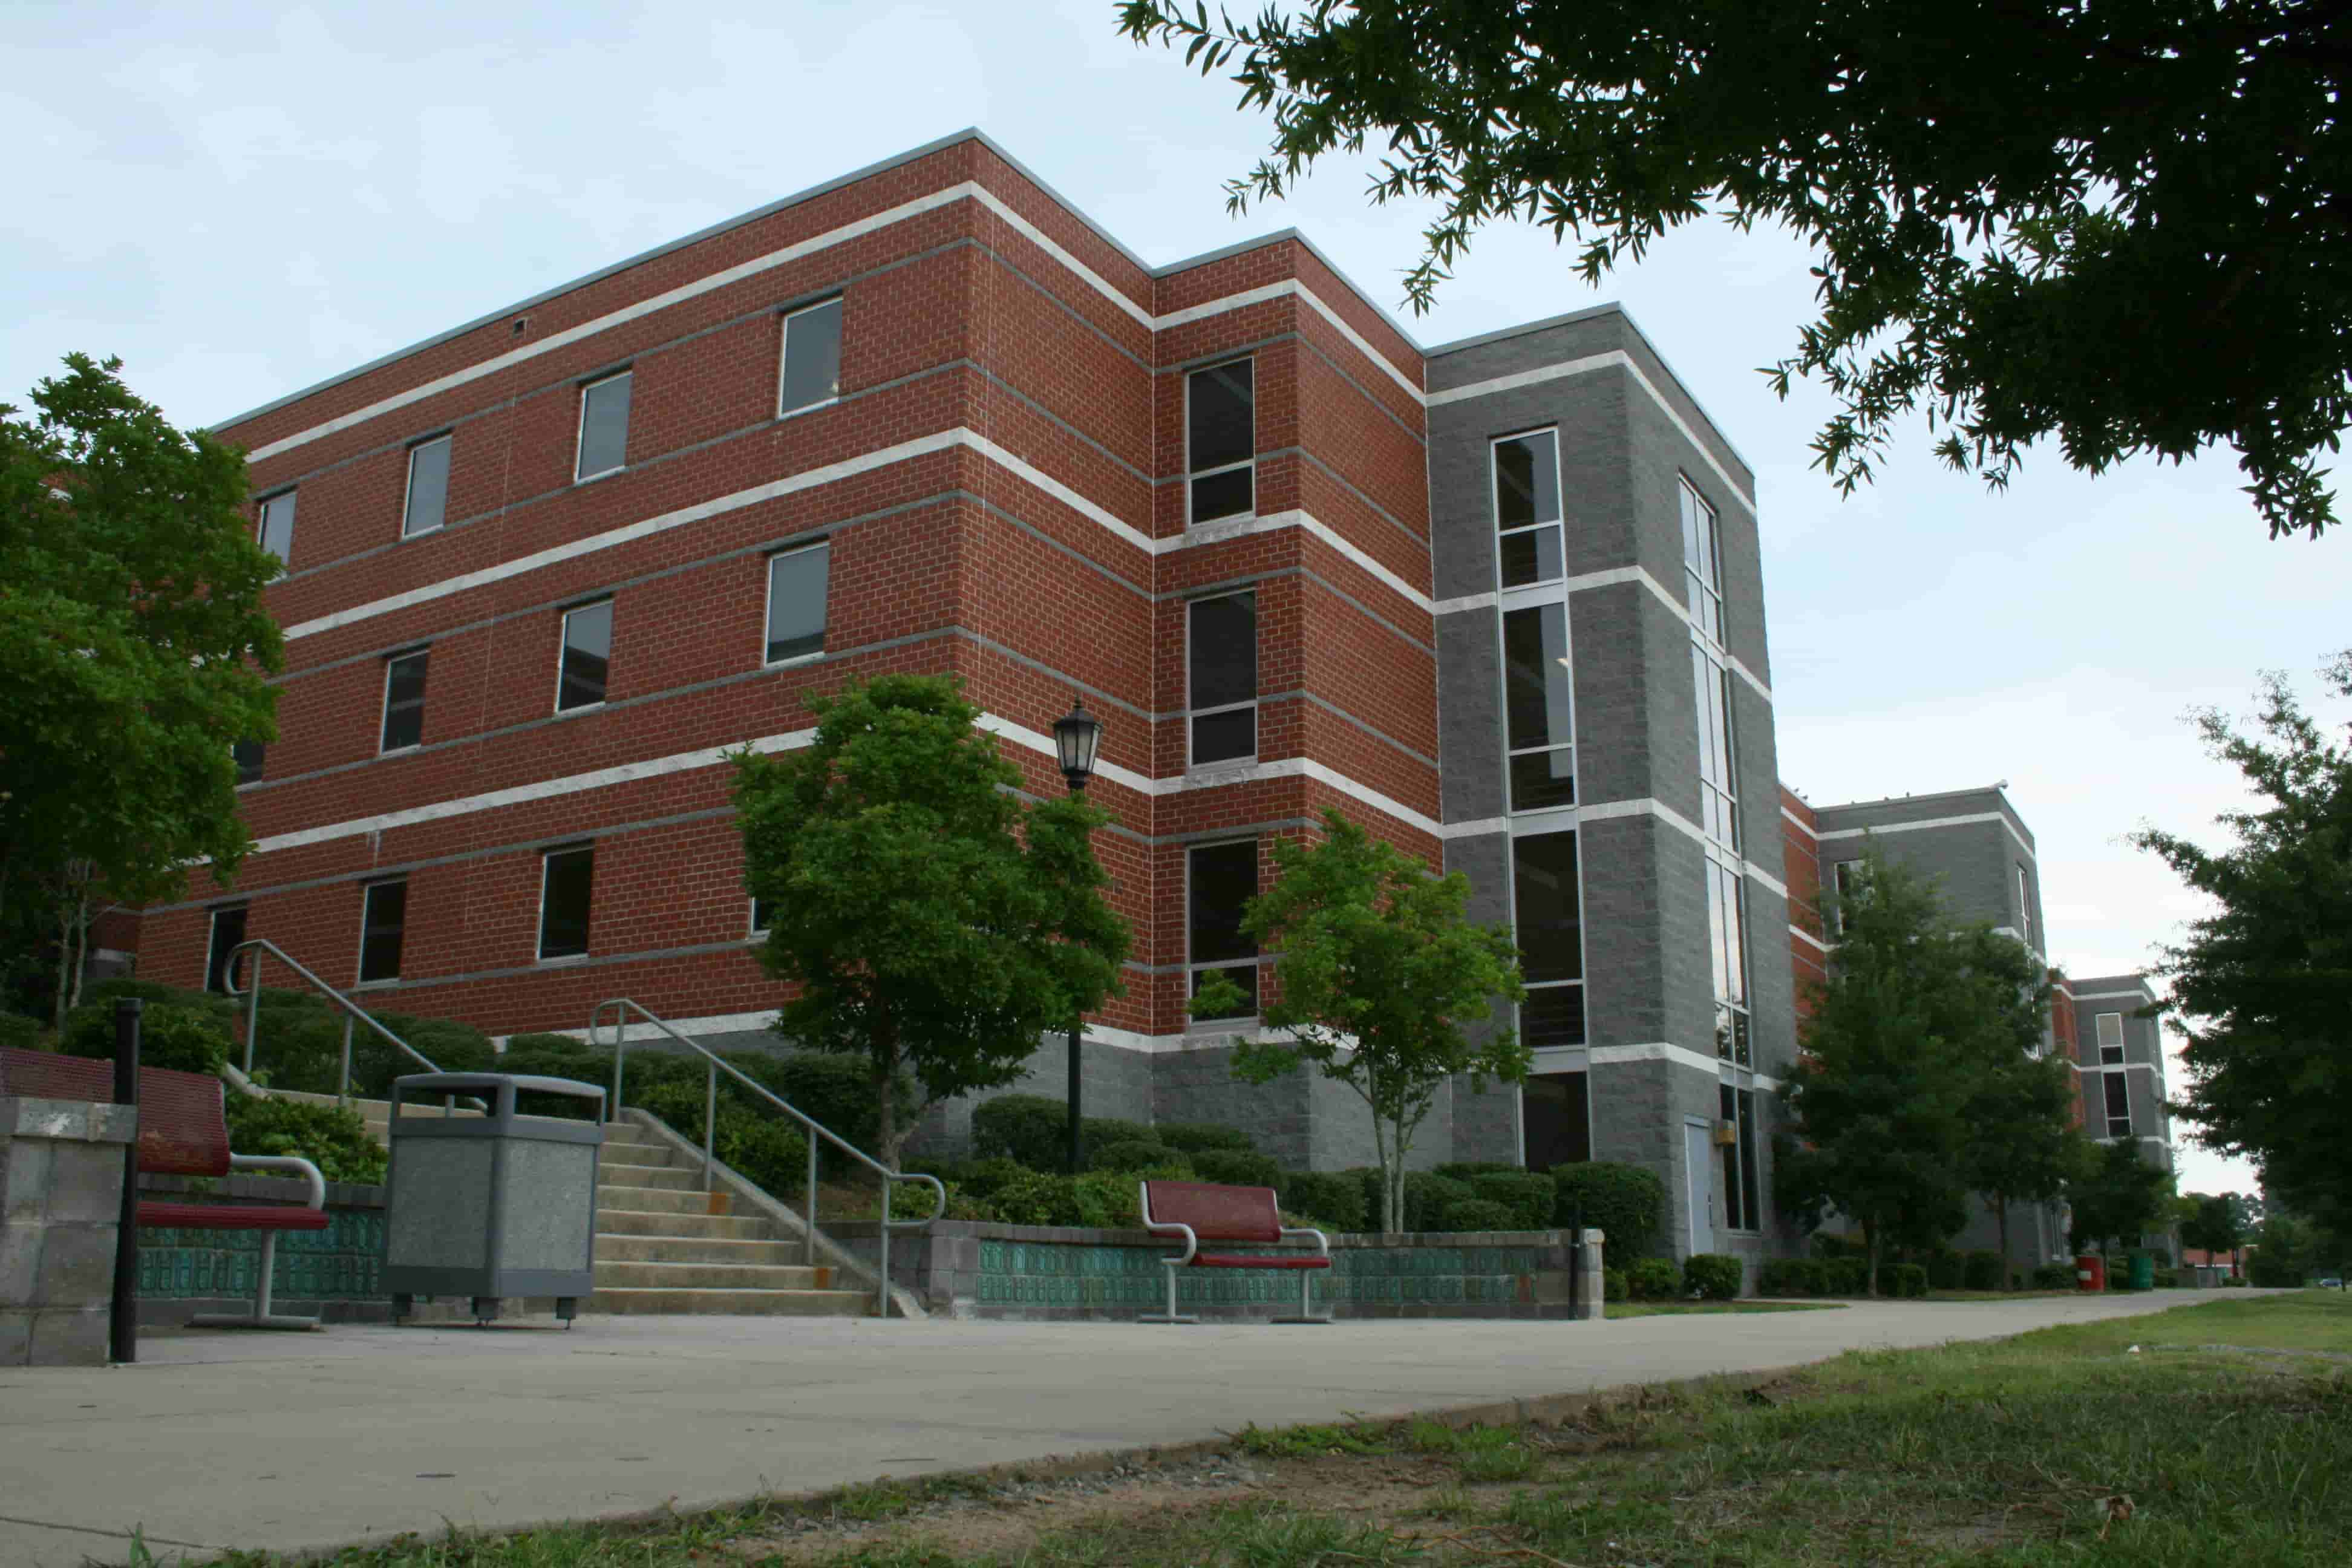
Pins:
x,y
239,203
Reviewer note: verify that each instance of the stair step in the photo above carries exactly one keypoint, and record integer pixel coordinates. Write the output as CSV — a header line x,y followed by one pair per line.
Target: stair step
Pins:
x,y
667,1178
629,1132
742,1303
623,1276
665,1247
636,1156
659,1200
671,1223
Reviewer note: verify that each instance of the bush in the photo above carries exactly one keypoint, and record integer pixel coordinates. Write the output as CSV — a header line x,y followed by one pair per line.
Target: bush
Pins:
x,y
19,1033
1479,1214
1031,1129
2053,1277
1829,1243
2270,1275
1655,1279
2231,1282
330,1137
1236,1167
1612,1284
1945,1271
1335,1198
1981,1271
1624,1202
1195,1137
1907,1280
1011,1194
1133,1155
1530,1196
1845,1276
1717,1276
1468,1170
2167,1279
183,1039
761,1145
1428,1197
1794,1277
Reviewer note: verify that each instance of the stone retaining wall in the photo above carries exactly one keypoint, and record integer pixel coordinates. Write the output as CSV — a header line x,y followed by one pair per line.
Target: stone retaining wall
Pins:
x,y
61,1210
333,1273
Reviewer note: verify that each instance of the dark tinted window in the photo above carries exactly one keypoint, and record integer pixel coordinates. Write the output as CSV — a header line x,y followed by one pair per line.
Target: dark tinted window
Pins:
x,y
1221,665
382,917
1223,879
812,357
1543,880
228,929
565,882
428,487
603,426
1220,432
250,757
403,700
796,586
1537,696
587,656
1552,1016
275,531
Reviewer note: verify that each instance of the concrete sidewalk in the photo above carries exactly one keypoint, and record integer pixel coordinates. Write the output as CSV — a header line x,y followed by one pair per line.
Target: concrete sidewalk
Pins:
x,y
219,1440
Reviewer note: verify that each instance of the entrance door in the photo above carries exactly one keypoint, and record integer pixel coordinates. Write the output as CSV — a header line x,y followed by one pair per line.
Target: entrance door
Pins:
x,y
1698,1161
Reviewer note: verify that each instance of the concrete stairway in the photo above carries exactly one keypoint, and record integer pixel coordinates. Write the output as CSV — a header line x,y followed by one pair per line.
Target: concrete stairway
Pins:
x,y
662,1245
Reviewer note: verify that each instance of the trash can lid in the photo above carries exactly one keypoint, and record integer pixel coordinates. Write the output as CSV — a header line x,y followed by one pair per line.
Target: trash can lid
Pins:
x,y
444,1082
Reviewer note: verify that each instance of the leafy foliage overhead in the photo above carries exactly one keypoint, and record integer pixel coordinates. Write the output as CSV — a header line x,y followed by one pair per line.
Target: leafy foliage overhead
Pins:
x,y
2121,226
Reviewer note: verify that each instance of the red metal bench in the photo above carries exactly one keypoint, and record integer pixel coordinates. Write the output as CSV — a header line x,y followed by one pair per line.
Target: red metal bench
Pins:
x,y
183,1132
1196,1212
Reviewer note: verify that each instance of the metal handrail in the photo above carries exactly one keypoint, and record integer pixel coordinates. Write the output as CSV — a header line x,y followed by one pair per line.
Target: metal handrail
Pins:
x,y
351,1011
622,1006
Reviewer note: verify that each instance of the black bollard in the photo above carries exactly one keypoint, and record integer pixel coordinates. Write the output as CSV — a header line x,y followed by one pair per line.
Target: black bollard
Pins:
x,y
124,1322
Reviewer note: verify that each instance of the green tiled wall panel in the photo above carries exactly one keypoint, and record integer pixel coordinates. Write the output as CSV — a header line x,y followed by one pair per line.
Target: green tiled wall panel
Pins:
x,y
1046,1274
344,1262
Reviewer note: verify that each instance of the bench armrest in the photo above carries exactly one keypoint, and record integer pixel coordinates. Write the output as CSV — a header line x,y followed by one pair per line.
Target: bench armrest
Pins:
x,y
1322,1242
1167,1229
294,1163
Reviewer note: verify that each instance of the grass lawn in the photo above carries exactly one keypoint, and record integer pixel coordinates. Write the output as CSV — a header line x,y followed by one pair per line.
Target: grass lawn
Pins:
x,y
2065,1446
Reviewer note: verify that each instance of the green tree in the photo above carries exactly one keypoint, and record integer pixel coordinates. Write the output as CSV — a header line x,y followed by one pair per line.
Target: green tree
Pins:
x,y
1915,1014
134,653
1376,975
2026,218
2021,1145
2212,1227
2118,1197
935,927
2263,986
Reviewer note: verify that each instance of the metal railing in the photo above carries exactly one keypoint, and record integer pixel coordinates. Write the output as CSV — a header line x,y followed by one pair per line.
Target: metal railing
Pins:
x,y
622,1006
352,1014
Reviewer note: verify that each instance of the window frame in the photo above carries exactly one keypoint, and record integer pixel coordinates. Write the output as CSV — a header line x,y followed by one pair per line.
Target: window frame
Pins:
x,y
784,354
368,892
1743,1197
1718,799
1584,1012
563,652
408,491
1845,880
2099,1021
2025,908
383,718
1725,873
1194,972
768,604
547,858
1193,476
758,929
1710,553
2118,1085
1193,715
1537,605
261,525
214,968
1495,508
580,435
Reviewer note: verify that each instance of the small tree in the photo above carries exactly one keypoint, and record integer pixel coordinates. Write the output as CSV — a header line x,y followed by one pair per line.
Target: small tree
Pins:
x,y
2118,1197
935,927
2023,1145
1376,975
1915,1013
2211,1227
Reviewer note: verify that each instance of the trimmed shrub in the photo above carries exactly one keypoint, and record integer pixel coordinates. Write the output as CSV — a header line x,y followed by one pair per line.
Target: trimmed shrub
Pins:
x,y
1829,1243
1612,1284
1945,1271
106,993
1236,1167
1466,1170
1027,1129
2053,1277
1655,1279
1794,1277
1901,1279
1715,1276
19,1033
1530,1196
763,1147
1845,1276
1333,1198
2270,1275
1133,1155
2167,1279
2231,1282
1479,1214
330,1137
1624,1202
183,1039
1193,1137
1980,1271
1428,1196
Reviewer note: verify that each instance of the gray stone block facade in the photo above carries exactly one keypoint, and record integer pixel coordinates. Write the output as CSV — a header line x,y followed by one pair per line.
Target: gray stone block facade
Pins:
x,y
61,1170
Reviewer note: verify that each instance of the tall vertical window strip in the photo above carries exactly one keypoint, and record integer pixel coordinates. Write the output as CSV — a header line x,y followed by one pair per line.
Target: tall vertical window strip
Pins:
x,y
227,932
1741,1199
403,700
384,913
1847,875
275,531
566,882
585,664
811,372
1221,660
2109,1028
2024,907
1220,881
1547,903
1537,710
429,488
1718,763
1220,441
1727,960
604,426
2118,1096
1526,508
1702,563
797,601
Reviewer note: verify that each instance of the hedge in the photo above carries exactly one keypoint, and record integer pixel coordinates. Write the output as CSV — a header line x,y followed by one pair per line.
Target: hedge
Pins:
x,y
1982,1271
183,1040
1336,1198
1480,1213
1033,1129
1236,1167
1612,1284
1846,1275
1134,1155
2053,1277
1715,1276
1655,1279
1794,1277
333,1139
19,1033
1193,1137
1529,1196
1625,1203
1901,1279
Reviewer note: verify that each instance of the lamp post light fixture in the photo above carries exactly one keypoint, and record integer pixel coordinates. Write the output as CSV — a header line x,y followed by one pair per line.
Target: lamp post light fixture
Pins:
x,y
1077,736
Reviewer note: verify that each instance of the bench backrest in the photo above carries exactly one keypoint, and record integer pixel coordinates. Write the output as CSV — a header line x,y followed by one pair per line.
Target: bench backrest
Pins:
x,y
183,1129
1215,1213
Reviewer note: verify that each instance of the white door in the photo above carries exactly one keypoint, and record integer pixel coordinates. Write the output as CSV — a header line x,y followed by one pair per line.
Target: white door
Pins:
x,y
1698,1156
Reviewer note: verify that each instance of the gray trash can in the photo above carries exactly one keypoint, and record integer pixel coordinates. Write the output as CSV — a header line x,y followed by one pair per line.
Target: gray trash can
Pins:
x,y
493,1205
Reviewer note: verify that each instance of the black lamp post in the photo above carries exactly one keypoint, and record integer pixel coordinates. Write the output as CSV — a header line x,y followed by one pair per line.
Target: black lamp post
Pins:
x,y
1077,736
